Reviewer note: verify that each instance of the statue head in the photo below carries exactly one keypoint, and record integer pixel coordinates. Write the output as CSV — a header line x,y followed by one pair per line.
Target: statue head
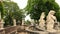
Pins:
x,y
43,15
52,12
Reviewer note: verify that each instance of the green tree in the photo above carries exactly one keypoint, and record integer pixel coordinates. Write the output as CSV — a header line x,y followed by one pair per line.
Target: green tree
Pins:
x,y
58,15
12,11
2,9
36,7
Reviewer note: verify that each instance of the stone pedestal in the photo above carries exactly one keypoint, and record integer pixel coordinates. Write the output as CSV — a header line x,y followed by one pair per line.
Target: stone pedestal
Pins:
x,y
1,24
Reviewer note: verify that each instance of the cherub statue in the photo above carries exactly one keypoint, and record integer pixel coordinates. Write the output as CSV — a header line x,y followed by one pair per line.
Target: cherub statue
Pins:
x,y
51,19
42,21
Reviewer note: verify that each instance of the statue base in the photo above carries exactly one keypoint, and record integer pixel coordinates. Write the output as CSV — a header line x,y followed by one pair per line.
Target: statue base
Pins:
x,y
52,30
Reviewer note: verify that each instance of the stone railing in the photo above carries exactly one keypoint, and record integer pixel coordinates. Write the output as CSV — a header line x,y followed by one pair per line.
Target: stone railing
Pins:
x,y
23,30
9,30
2,31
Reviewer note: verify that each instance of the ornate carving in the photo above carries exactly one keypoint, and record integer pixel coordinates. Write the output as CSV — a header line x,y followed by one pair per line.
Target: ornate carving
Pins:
x,y
51,19
41,20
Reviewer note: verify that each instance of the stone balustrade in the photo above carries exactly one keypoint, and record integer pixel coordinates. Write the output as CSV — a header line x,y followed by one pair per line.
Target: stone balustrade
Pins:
x,y
23,30
9,30
2,31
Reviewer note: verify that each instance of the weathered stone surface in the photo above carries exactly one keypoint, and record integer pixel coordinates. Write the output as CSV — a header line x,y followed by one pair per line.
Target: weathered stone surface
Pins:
x,y
14,21
54,33
2,31
11,29
51,19
42,21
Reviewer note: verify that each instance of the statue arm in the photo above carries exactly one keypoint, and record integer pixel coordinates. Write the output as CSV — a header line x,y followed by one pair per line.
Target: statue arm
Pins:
x,y
54,18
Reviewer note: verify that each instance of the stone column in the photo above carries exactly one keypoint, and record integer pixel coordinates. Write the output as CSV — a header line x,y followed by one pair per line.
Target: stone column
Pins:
x,y
1,24
14,21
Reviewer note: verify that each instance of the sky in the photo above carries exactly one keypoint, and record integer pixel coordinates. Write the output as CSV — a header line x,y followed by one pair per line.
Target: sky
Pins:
x,y
22,4
58,1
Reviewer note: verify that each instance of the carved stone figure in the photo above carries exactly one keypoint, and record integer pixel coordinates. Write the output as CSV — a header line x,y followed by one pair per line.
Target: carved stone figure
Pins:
x,y
51,19
42,21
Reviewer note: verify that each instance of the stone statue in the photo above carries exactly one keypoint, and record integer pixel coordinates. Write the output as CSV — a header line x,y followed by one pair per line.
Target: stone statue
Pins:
x,y
1,24
51,19
42,21
14,20
23,22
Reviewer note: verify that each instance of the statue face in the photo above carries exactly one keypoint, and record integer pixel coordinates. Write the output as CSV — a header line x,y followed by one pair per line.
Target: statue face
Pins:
x,y
43,15
52,12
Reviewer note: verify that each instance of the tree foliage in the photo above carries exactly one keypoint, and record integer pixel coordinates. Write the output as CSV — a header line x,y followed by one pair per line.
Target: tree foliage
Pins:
x,y
36,7
12,11
1,9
